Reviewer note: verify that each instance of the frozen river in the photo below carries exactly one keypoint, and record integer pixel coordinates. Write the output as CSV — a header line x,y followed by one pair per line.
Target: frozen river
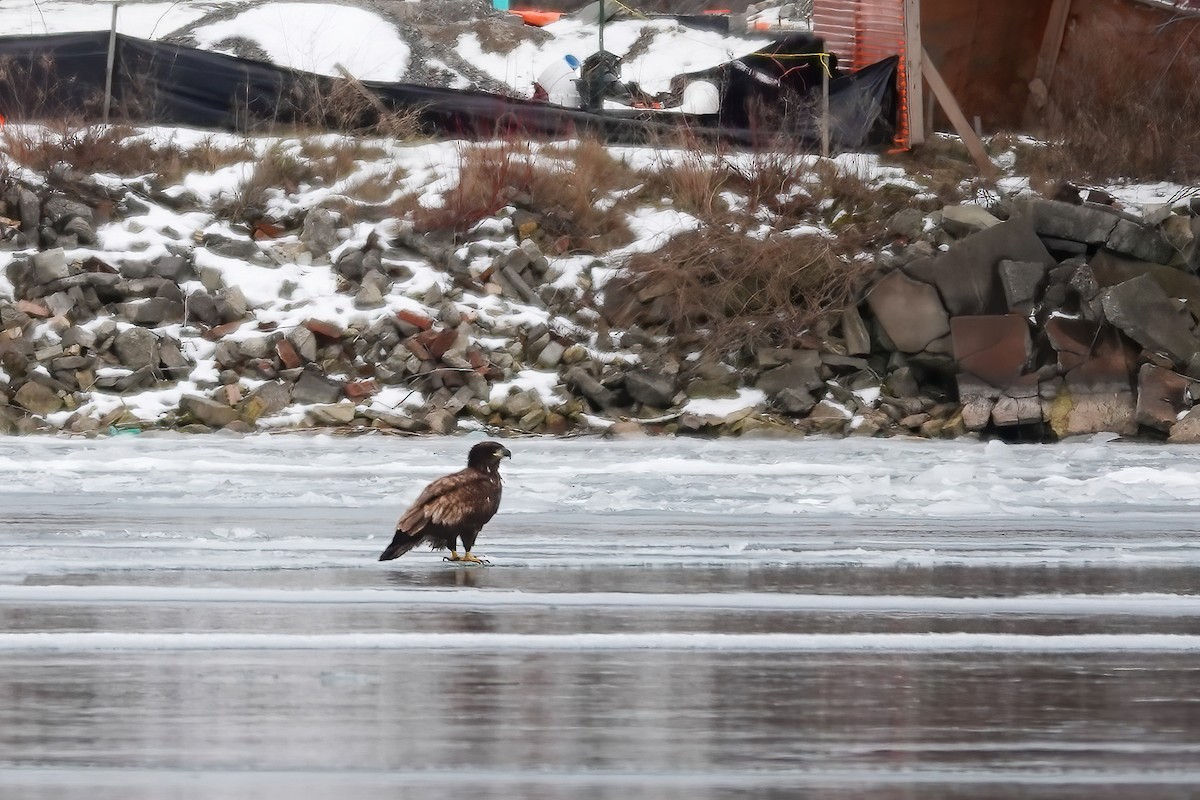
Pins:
x,y
204,617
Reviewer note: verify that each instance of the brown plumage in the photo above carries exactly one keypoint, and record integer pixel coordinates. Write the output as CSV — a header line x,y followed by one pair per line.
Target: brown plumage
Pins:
x,y
453,507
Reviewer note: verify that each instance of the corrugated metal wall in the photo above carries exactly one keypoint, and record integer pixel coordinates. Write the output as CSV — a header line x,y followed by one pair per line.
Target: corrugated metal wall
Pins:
x,y
862,32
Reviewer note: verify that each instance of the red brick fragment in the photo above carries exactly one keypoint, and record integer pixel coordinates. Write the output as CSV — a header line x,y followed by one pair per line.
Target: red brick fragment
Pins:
x,y
33,309
357,390
419,321
287,354
327,330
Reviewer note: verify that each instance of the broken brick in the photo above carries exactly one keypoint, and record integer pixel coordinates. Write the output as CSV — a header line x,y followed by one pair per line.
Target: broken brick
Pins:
x,y
419,321
288,355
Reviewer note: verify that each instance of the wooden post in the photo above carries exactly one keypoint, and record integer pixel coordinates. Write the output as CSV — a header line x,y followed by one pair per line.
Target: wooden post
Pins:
x,y
959,120
112,60
825,105
1047,63
914,90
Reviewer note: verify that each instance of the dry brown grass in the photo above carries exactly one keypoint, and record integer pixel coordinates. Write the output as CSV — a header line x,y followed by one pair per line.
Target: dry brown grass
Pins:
x,y
346,106
114,150
1136,116
571,189
277,169
724,290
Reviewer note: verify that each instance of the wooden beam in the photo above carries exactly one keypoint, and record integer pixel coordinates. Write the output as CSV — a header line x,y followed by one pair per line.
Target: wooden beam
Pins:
x,y
914,91
962,127
1047,63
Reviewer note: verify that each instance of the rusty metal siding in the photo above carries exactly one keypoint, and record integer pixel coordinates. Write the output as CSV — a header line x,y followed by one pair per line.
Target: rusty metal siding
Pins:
x,y
862,32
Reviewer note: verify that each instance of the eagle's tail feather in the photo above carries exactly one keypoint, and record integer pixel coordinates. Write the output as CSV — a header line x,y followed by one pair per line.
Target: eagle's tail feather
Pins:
x,y
401,544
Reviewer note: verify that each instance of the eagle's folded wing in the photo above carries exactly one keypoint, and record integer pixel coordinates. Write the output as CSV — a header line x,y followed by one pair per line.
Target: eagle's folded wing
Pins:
x,y
443,502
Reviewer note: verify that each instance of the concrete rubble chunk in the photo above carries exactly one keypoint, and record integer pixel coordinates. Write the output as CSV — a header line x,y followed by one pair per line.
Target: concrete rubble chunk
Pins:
x,y
267,399
1086,224
651,388
37,399
966,275
963,220
50,266
1022,282
601,396
319,232
910,312
1144,312
313,387
854,331
332,414
305,343
1186,430
1140,242
136,348
789,376
208,412
1162,397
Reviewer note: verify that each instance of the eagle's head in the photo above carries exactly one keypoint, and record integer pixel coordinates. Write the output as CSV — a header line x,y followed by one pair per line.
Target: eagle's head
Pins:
x,y
487,455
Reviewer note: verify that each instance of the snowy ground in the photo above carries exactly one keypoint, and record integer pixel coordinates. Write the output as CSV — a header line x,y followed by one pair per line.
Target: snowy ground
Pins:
x,y
663,619
374,45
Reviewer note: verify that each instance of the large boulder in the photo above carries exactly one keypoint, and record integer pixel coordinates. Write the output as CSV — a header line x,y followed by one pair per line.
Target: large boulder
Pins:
x,y
1162,396
1144,312
651,388
208,412
1097,390
996,349
966,275
909,311
136,348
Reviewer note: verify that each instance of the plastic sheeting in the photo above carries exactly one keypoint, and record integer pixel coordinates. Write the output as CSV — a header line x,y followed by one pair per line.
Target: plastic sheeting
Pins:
x,y
63,77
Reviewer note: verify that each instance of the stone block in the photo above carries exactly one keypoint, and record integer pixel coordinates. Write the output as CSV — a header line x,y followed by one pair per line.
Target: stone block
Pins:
x,y
790,376
49,266
1144,312
995,349
37,399
967,275
1086,224
651,388
963,220
909,311
208,412
1141,242
136,348
1162,396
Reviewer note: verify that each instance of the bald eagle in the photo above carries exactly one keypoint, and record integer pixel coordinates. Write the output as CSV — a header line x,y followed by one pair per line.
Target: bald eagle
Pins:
x,y
453,507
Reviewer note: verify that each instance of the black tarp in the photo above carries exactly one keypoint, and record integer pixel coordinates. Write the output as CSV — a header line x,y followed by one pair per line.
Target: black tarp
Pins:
x,y
63,77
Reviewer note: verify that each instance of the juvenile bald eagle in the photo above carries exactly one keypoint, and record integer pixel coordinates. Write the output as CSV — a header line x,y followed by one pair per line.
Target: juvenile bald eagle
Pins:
x,y
453,507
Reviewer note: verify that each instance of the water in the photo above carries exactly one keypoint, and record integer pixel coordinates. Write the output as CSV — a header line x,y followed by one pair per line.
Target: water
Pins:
x,y
204,617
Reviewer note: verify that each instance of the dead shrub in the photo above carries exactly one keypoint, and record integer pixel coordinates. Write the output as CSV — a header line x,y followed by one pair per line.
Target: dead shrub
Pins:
x,y
580,198
487,175
322,104
333,158
112,149
277,170
690,177
725,290
573,191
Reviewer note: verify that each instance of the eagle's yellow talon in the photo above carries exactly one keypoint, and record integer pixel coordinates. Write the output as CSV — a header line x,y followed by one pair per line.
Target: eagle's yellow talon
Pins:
x,y
474,559
454,556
